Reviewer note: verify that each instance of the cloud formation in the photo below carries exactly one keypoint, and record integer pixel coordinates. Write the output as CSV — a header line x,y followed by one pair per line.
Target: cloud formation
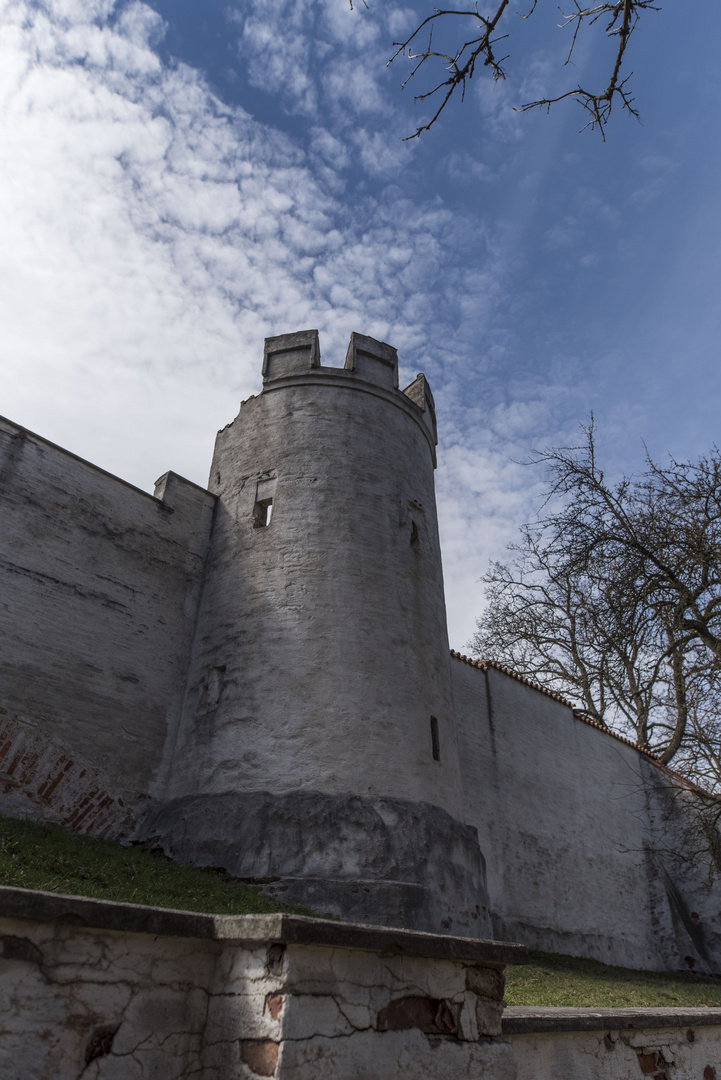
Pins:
x,y
153,236
154,231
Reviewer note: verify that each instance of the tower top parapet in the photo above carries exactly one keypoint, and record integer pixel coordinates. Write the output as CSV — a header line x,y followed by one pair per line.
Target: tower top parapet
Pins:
x,y
368,361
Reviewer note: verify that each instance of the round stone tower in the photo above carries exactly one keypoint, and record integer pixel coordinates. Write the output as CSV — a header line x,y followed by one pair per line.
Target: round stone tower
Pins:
x,y
317,751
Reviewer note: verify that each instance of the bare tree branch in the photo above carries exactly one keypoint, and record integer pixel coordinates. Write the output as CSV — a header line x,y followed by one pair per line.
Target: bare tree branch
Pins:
x,y
614,598
459,61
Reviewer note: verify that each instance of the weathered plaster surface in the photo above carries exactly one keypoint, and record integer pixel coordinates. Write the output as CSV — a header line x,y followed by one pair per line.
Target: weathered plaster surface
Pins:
x,y
101,991
79,1000
576,834
663,1044
322,651
100,587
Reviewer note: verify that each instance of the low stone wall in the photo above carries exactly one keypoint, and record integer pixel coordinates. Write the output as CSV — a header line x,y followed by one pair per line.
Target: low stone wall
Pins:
x,y
615,1044
104,991
120,992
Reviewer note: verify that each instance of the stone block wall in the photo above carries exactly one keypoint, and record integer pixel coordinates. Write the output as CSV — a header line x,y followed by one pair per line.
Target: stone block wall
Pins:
x,y
610,1044
91,990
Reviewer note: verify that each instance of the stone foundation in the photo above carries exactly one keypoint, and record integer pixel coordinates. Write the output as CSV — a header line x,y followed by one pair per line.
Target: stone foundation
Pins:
x,y
376,860
120,992
91,990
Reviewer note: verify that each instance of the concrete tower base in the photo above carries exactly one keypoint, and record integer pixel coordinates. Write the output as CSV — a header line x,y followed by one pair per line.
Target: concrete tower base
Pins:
x,y
376,860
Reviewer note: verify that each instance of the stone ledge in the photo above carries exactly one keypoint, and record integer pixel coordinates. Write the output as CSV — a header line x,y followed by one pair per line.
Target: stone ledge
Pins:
x,y
251,929
518,1020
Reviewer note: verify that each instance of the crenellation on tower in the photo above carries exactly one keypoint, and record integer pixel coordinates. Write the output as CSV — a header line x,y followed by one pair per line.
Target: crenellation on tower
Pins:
x,y
419,392
372,360
291,354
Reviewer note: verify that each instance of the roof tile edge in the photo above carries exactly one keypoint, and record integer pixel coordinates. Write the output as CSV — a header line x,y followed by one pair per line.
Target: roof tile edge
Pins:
x,y
484,665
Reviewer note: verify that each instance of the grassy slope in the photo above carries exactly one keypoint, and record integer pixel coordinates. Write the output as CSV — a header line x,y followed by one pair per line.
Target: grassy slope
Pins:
x,y
36,856
568,980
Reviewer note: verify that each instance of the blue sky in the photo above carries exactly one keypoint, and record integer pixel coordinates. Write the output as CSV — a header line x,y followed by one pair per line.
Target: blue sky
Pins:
x,y
181,178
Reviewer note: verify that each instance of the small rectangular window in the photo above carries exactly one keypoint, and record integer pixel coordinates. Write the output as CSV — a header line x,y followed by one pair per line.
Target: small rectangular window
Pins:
x,y
263,513
263,506
435,743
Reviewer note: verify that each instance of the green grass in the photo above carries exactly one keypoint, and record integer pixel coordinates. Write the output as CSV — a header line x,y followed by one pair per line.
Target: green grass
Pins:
x,y
38,856
551,979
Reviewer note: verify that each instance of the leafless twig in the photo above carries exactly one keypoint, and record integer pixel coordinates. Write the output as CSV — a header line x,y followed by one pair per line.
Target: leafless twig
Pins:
x,y
460,61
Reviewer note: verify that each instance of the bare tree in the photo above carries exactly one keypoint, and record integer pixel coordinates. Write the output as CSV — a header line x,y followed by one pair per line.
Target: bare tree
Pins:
x,y
470,41
614,598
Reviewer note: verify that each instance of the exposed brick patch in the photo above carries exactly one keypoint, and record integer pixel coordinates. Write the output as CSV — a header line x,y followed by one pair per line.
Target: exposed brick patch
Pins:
x,y
59,787
433,1016
260,1057
274,1004
652,1066
709,1073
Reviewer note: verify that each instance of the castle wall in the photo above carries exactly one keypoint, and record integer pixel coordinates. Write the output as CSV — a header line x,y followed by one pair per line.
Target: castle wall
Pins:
x,y
317,745
100,590
258,677
578,833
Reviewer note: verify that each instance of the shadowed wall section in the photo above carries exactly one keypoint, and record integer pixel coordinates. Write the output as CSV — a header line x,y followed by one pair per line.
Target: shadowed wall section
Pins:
x,y
583,834
99,597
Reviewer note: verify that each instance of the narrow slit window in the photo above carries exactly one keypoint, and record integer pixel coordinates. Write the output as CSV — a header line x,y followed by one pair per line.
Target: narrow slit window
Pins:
x,y
435,742
216,678
263,507
263,513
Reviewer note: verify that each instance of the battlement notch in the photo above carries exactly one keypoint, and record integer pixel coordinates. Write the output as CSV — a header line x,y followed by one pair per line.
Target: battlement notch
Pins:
x,y
373,360
291,354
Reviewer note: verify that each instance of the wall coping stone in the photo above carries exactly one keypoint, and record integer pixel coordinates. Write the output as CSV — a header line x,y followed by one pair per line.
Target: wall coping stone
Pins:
x,y
523,1020
27,433
253,929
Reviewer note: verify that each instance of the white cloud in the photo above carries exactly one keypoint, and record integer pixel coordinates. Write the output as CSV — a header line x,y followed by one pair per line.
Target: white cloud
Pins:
x,y
152,236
